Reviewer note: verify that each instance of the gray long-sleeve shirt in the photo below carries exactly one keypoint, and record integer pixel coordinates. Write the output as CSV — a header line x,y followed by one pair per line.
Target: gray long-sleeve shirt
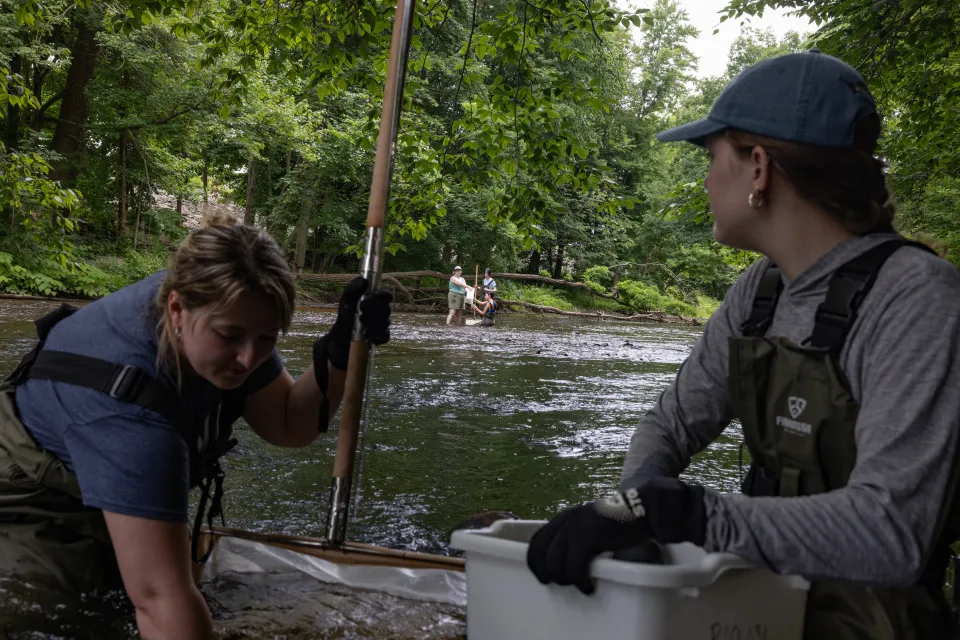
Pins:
x,y
901,360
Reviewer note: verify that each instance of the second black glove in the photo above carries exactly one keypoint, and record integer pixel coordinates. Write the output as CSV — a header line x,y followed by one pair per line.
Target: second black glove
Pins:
x,y
374,318
660,508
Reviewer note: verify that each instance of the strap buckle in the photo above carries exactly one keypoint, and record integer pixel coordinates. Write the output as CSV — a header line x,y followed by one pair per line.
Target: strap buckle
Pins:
x,y
128,384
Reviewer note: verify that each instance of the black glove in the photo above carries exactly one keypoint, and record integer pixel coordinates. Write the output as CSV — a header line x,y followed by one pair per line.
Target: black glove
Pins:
x,y
648,552
661,508
335,345
374,318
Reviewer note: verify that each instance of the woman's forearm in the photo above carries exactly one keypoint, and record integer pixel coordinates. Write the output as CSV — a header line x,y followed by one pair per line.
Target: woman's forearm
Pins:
x,y
154,561
287,412
303,404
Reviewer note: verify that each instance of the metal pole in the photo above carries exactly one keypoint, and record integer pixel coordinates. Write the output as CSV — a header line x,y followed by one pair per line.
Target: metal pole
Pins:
x,y
370,268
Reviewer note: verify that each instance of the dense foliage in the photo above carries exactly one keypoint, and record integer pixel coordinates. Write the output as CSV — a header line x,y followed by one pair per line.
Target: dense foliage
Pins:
x,y
526,139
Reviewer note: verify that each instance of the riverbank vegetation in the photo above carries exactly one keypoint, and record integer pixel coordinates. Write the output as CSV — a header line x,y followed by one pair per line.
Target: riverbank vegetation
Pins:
x,y
526,141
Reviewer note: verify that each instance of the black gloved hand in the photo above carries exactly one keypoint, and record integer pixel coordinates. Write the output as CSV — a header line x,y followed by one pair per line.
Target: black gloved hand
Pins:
x,y
561,551
664,509
650,551
374,318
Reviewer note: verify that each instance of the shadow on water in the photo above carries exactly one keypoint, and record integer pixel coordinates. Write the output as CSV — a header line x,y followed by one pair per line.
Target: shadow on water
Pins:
x,y
531,416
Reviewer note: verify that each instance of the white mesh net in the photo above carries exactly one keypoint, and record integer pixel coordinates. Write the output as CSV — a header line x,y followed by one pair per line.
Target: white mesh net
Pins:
x,y
236,556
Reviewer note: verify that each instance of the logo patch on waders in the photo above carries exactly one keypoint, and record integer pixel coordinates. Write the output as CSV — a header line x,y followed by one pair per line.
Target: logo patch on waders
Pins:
x,y
795,407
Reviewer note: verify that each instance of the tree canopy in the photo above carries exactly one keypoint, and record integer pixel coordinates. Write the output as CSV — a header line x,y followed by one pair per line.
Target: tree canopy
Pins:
x,y
526,138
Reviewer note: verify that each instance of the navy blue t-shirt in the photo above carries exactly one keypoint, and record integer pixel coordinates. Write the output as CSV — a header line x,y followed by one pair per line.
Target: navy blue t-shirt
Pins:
x,y
127,459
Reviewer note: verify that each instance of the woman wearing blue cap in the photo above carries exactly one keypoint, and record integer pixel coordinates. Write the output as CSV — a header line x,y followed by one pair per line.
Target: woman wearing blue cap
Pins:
x,y
836,352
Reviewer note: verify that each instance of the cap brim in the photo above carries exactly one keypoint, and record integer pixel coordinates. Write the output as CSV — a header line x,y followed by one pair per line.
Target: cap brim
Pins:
x,y
696,132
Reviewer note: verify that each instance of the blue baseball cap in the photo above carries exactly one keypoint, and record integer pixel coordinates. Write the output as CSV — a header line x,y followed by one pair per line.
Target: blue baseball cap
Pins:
x,y
805,97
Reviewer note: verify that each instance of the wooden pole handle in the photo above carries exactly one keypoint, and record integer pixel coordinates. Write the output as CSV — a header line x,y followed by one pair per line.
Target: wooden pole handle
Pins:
x,y
352,410
358,361
390,115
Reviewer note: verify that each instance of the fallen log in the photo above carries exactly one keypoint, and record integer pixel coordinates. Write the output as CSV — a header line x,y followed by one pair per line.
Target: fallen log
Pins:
x,y
343,278
654,316
554,282
347,277
17,296
547,309
389,279
438,304
431,304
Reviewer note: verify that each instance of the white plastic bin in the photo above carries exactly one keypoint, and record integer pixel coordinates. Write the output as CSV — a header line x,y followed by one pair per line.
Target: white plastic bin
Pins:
x,y
692,596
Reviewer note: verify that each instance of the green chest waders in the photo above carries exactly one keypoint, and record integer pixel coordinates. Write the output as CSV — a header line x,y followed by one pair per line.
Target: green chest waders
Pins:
x,y
798,418
47,535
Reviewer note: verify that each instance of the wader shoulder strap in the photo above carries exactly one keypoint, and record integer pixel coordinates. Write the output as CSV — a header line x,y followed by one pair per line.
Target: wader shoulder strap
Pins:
x,y
43,325
764,302
46,323
131,384
121,381
214,481
134,385
848,287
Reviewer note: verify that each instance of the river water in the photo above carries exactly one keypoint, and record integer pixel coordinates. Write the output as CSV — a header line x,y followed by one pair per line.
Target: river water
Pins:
x,y
531,416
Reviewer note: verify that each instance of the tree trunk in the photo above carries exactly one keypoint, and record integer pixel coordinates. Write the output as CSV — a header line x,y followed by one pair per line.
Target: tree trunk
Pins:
x,y
558,267
646,262
269,178
136,225
534,267
447,254
248,215
183,154
616,280
206,190
549,257
327,262
301,250
122,206
13,112
317,234
38,77
68,136
301,254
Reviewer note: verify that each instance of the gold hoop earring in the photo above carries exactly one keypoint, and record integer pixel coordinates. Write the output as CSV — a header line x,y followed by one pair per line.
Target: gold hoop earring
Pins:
x,y
755,203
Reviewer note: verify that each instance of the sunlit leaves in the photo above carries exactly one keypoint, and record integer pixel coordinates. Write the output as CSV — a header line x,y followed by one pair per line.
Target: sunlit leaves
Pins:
x,y
689,202
38,204
513,115
512,81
